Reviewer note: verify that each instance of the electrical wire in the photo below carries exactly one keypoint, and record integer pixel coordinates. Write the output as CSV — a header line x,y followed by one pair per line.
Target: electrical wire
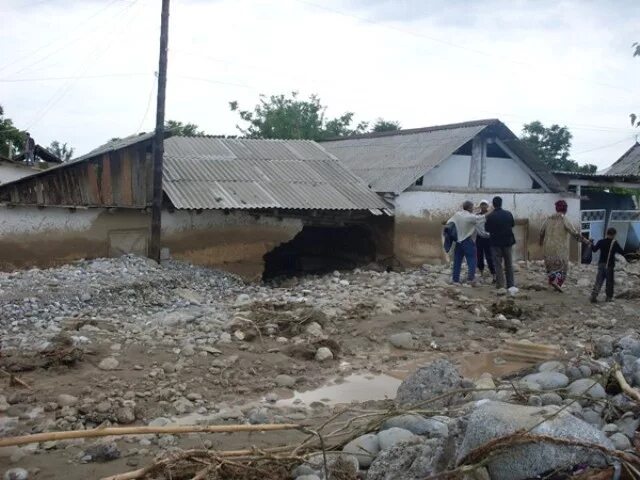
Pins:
x,y
154,84
454,45
49,44
85,77
601,147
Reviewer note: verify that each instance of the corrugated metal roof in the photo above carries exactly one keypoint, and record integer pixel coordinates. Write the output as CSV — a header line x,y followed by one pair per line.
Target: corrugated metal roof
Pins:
x,y
393,161
627,164
212,173
115,145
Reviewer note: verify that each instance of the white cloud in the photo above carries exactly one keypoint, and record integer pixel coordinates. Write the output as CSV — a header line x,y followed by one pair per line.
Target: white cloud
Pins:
x,y
419,62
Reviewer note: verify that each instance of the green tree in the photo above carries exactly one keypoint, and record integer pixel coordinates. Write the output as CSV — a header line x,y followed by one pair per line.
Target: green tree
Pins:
x,y
289,117
11,138
382,125
552,145
183,129
61,150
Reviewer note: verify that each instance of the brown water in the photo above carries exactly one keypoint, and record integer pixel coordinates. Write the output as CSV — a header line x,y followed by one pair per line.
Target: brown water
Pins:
x,y
353,388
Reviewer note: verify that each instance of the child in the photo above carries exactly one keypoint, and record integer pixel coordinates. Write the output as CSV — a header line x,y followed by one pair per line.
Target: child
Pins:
x,y
608,248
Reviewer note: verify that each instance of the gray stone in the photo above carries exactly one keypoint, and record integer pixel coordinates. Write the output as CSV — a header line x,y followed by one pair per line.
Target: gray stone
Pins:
x,y
429,381
159,422
125,415
101,452
182,406
603,346
418,425
108,363
546,380
535,401
585,370
610,428
302,470
496,419
166,441
552,366
259,415
628,424
364,448
620,441
403,340
630,344
349,464
285,381
588,387
573,373
393,436
308,477
65,400
406,462
16,474
592,417
551,398
323,354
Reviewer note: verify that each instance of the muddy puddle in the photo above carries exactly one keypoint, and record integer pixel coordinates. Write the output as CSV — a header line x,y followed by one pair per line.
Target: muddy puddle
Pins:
x,y
358,387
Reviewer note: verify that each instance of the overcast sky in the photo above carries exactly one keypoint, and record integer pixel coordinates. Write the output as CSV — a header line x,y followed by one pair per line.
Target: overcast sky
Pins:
x,y
83,71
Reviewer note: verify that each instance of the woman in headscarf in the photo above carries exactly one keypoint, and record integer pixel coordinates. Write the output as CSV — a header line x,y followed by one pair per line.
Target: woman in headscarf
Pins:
x,y
555,238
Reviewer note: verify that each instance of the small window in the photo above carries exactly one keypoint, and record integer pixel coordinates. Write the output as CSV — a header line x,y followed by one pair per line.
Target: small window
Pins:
x,y
420,181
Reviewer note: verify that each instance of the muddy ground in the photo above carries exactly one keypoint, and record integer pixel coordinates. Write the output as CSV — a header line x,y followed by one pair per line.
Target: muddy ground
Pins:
x,y
185,346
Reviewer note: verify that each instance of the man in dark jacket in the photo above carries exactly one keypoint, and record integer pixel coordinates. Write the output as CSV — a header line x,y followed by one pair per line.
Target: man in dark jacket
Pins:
x,y
500,225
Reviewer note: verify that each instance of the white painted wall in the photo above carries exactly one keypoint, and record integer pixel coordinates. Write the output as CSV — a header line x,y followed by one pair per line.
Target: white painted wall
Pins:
x,y
505,173
498,173
436,205
10,172
453,172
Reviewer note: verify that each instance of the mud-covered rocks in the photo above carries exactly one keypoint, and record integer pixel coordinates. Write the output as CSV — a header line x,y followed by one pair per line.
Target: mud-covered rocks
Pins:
x,y
364,448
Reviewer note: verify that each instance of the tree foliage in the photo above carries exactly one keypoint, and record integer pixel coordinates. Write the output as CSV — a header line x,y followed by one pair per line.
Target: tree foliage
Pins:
x,y
183,129
11,138
61,150
290,117
382,125
552,145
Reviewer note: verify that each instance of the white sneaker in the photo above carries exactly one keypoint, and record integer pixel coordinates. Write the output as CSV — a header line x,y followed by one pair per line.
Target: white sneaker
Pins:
x,y
513,290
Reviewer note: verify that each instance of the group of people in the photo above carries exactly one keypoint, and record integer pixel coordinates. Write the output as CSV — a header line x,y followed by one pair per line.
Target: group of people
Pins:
x,y
483,236
479,236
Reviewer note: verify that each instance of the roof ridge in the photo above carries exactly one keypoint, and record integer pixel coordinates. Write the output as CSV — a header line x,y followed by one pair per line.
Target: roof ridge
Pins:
x,y
411,131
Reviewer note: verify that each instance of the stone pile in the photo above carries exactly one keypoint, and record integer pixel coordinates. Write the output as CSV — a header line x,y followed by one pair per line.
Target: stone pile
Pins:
x,y
564,400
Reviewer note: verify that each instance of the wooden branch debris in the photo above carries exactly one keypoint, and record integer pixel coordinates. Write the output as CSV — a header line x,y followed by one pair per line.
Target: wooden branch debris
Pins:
x,y
14,380
105,432
626,388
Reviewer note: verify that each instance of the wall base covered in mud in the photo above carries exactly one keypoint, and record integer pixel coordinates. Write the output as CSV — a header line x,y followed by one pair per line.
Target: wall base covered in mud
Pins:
x,y
420,217
235,241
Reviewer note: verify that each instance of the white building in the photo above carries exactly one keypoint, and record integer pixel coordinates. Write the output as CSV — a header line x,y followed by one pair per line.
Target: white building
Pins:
x,y
428,172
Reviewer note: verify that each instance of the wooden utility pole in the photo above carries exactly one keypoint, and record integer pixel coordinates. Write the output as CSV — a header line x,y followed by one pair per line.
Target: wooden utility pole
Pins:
x,y
158,140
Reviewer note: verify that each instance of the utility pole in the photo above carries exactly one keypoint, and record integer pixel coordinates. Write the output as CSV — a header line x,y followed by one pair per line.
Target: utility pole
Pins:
x,y
158,140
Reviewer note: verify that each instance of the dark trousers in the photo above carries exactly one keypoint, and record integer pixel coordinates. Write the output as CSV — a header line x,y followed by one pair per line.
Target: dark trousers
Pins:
x,y
483,246
605,274
465,250
503,256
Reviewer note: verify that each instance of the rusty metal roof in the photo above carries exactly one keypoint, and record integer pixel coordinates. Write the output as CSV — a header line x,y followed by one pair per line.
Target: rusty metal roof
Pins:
x,y
214,173
393,161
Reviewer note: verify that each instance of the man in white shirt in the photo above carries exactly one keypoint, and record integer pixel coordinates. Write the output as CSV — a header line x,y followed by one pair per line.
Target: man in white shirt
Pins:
x,y
466,222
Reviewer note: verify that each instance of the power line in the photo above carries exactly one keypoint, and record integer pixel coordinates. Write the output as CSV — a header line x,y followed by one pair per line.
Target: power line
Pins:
x,y
49,44
625,139
146,111
62,91
85,77
452,44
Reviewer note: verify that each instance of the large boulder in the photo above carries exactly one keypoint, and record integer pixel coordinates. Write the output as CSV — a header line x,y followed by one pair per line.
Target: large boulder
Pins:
x,y
430,381
493,420
364,448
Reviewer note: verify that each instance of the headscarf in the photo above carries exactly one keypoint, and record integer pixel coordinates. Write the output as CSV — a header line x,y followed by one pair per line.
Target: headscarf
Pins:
x,y
561,206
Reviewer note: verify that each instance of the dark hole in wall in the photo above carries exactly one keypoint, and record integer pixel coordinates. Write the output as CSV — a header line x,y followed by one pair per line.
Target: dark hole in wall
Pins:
x,y
317,250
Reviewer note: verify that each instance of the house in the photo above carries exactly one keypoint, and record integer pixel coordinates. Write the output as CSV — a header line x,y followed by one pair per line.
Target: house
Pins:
x,y
610,198
427,173
15,168
254,207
